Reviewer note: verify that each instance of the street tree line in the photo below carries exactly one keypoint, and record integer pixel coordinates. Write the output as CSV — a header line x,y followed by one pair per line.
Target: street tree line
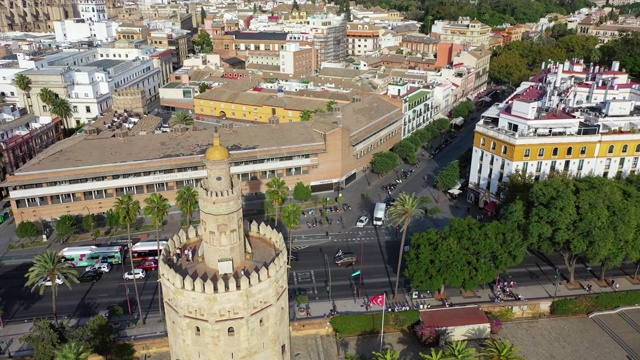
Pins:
x,y
590,218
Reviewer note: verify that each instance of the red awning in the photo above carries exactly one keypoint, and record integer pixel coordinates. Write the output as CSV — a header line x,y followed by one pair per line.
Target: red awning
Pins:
x,y
491,207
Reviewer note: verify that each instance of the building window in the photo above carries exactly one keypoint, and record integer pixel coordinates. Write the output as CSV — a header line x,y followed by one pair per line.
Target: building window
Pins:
x,y
539,166
553,165
541,152
504,149
580,165
583,150
493,145
625,148
527,153
525,167
231,331
87,109
197,330
569,151
44,108
607,164
75,109
555,151
611,149
635,162
638,148
483,142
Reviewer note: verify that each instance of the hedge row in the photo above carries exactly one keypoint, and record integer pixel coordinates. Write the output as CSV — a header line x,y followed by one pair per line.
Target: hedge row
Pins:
x,y
588,304
364,324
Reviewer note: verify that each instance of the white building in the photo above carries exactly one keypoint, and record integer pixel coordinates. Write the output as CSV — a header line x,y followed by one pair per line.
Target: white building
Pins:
x,y
417,105
93,10
73,30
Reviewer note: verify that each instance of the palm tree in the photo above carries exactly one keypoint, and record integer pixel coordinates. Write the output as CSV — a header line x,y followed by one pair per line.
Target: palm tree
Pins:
x,y
500,350
459,350
47,96
405,209
386,354
128,210
330,105
187,200
50,265
277,192
306,115
72,351
158,208
435,355
62,108
182,117
23,82
291,219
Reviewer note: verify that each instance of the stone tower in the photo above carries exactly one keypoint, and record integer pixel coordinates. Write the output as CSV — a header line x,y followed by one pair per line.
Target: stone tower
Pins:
x,y
231,302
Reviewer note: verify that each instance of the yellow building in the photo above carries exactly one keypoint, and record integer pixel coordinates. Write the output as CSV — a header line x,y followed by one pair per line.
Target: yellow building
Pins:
x,y
253,106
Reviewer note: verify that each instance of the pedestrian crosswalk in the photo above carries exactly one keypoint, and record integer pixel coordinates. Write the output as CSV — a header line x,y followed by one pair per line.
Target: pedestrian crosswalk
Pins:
x,y
299,247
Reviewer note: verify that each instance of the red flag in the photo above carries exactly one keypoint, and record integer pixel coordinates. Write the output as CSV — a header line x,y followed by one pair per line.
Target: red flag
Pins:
x,y
377,300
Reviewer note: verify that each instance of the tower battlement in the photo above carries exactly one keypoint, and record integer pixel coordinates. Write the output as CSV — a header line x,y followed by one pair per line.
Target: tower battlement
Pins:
x,y
228,193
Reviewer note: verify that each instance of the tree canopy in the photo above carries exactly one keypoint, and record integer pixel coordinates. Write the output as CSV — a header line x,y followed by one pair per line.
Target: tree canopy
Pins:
x,y
448,177
384,161
27,230
65,226
301,192
202,42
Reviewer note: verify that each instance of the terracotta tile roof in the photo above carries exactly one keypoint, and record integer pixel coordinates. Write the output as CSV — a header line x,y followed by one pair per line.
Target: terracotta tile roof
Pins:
x,y
455,316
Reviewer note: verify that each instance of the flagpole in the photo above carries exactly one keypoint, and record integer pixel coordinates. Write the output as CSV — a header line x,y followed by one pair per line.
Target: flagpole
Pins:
x,y
384,306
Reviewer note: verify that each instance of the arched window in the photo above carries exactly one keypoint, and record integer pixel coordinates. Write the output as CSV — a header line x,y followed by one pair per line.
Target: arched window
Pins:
x,y
611,149
569,151
527,153
541,152
231,331
555,151
493,145
625,148
583,150
483,142
504,149
638,148
197,330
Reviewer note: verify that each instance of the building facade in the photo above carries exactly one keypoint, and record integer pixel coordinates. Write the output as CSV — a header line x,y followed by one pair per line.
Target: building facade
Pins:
x,y
33,15
363,39
73,30
465,31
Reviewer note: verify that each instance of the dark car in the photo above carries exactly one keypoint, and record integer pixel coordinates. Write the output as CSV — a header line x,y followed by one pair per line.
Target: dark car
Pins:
x,y
90,276
345,258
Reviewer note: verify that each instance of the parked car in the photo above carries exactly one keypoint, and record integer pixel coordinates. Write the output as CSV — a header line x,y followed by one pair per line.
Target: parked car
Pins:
x,y
346,207
90,276
148,265
345,258
362,221
101,267
47,281
137,273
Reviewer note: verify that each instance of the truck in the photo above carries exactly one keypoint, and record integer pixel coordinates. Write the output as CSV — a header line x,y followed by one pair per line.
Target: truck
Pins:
x,y
379,214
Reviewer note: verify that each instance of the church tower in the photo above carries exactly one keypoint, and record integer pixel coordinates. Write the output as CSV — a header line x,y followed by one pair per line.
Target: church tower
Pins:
x,y
231,302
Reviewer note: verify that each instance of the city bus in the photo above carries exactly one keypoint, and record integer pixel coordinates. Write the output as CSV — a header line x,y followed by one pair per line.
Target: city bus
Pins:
x,y
90,255
146,250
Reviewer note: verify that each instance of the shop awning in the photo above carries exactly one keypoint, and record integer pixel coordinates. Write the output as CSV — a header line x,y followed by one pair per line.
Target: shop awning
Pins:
x,y
491,207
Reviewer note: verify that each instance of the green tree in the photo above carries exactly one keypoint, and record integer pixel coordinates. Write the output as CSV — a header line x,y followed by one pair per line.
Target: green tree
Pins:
x,y
49,265
448,177
128,210
509,68
495,349
301,192
463,109
291,219
157,206
112,219
72,351
406,150
434,355
624,49
517,187
183,118
459,350
401,213
386,354
23,82
124,351
46,338
65,226
330,105
277,192
98,334
27,230
384,161
202,42
203,87
47,96
578,46
61,108
187,201
306,115
295,6
90,224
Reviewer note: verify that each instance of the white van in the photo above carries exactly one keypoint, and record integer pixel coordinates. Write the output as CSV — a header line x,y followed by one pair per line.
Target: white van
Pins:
x,y
379,213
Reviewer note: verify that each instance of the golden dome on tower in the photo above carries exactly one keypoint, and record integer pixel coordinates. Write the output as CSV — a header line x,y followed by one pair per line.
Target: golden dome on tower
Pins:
x,y
216,152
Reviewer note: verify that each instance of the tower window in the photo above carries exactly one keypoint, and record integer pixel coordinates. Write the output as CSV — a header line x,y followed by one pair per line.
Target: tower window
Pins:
x,y
231,331
197,330
261,322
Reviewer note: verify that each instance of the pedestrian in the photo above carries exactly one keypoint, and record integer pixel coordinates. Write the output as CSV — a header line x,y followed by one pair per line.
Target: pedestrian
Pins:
x,y
616,287
612,282
468,209
179,253
327,234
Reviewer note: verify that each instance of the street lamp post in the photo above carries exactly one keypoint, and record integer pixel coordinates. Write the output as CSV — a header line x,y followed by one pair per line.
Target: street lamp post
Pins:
x,y
93,234
329,268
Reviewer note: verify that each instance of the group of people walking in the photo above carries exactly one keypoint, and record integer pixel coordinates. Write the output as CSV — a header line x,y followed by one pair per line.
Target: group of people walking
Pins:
x,y
188,254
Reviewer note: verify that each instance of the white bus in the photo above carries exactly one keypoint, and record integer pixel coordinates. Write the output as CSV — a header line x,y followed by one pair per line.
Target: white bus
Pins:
x,y
146,249
379,214
90,255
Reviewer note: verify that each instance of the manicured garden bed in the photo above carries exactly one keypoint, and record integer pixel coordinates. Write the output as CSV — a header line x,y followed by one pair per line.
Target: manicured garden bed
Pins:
x,y
588,304
364,324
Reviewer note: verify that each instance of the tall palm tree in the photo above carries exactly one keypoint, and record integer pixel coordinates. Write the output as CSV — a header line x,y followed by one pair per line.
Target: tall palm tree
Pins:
x,y
182,117
72,351
128,210
158,208
435,355
47,96
62,108
187,200
291,219
459,350
306,115
277,192
330,105
403,210
50,265
23,82
386,354
500,350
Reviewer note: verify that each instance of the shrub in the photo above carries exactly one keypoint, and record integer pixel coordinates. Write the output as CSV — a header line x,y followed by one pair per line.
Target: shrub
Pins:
x,y
503,314
302,299
588,304
426,334
363,324
496,325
